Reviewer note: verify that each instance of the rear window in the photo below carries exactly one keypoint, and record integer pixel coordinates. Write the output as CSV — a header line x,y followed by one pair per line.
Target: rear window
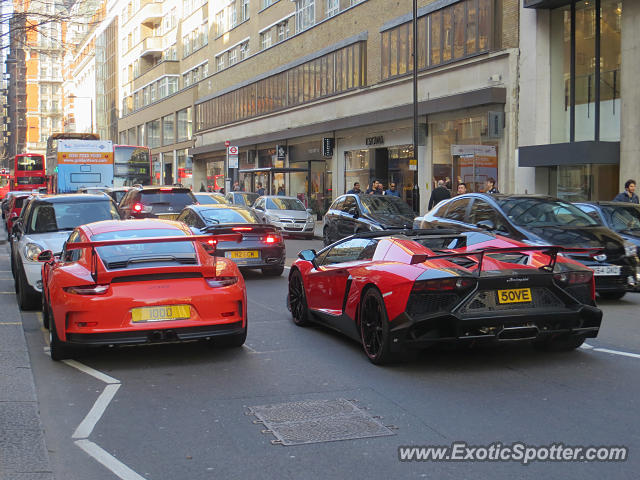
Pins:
x,y
228,215
51,217
285,204
245,199
145,254
206,199
173,198
19,202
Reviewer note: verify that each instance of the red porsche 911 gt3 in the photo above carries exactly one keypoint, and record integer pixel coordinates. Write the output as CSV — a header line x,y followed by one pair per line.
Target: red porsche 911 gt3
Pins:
x,y
141,281
394,291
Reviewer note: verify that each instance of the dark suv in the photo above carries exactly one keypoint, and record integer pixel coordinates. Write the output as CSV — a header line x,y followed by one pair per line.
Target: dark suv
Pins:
x,y
155,202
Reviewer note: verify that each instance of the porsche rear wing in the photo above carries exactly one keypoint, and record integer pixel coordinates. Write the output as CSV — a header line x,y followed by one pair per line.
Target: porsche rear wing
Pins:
x,y
551,250
208,239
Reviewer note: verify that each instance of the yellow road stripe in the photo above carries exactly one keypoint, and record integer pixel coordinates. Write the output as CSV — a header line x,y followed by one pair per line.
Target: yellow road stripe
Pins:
x,y
10,323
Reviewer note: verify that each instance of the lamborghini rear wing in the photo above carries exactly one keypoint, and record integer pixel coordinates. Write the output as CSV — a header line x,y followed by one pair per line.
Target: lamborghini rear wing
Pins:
x,y
551,250
207,239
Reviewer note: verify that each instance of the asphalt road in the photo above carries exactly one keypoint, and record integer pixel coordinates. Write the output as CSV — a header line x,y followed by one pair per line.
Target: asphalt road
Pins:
x,y
179,411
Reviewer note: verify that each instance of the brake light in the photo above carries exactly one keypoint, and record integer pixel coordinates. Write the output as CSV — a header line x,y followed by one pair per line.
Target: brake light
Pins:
x,y
573,278
212,242
137,208
221,281
166,189
88,289
270,239
242,229
444,284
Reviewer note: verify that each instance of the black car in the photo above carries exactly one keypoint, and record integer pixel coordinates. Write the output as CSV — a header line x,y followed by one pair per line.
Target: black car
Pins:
x,y
621,217
544,220
155,202
353,213
261,246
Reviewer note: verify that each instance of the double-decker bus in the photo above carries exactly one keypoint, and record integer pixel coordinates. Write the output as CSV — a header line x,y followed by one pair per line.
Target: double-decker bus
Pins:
x,y
5,183
29,172
131,165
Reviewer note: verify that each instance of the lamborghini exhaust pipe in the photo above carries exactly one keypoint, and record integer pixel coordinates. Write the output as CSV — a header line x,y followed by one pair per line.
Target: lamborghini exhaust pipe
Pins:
x,y
518,333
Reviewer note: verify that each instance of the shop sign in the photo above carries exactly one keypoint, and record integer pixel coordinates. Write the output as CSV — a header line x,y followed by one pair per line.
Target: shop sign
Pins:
x,y
413,164
377,140
473,150
281,151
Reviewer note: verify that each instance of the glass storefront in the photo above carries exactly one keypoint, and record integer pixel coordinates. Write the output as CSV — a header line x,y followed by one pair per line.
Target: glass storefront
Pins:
x,y
185,168
462,152
215,174
576,183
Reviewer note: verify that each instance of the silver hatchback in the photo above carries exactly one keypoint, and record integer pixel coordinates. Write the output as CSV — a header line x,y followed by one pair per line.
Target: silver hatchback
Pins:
x,y
286,213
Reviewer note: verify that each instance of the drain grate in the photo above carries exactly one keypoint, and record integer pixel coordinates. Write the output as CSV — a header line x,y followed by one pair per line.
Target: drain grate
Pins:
x,y
316,421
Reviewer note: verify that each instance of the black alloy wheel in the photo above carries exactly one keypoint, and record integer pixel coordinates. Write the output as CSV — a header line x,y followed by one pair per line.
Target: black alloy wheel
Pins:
x,y
58,349
298,300
26,299
374,327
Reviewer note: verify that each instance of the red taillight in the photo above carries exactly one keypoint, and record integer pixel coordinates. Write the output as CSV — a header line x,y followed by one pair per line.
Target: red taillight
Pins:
x,y
88,289
242,229
221,281
212,242
444,284
573,278
137,208
270,239
166,189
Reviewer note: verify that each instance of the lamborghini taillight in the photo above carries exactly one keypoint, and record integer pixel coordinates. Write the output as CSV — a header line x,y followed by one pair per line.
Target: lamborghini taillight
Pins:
x,y
444,285
573,278
88,289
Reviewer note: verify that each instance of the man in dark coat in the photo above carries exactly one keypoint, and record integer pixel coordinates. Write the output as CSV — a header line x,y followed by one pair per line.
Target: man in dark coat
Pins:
x,y
629,194
439,193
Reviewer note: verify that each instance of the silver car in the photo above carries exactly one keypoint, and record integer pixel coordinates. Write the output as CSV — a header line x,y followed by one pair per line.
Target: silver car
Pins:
x,y
286,213
45,224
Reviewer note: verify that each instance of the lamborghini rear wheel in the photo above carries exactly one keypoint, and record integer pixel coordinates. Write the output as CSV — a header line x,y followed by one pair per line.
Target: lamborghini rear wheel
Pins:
x,y
374,327
298,300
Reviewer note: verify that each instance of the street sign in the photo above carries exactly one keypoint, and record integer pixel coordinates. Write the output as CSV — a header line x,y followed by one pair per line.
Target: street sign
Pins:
x,y
233,161
281,152
232,150
227,143
328,144
413,164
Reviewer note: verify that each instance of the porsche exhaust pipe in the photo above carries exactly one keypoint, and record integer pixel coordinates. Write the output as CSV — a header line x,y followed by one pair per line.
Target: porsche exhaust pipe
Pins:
x,y
518,333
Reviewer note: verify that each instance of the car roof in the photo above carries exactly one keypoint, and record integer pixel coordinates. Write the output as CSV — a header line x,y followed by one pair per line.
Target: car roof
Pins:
x,y
217,206
280,196
610,203
73,198
164,188
105,226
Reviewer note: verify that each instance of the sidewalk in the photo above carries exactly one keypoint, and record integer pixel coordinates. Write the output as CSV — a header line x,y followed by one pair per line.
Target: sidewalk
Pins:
x,y
23,455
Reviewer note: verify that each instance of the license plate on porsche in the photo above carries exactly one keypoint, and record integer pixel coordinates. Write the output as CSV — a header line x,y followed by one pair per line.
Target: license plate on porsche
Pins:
x,y
160,313
606,270
515,295
241,254
168,216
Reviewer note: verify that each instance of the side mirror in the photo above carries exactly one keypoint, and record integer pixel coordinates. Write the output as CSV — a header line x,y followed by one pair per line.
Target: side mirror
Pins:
x,y
45,256
259,207
486,225
309,256
309,210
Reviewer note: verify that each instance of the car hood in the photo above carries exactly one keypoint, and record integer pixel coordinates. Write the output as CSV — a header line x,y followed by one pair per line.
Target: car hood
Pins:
x,y
296,214
392,220
48,241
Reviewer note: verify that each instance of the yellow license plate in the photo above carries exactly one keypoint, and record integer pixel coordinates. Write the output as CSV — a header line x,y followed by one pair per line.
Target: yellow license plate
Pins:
x,y
168,216
515,295
160,313
245,254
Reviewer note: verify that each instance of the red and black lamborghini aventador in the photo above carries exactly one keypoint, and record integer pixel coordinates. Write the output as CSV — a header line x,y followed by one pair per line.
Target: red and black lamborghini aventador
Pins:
x,y
412,289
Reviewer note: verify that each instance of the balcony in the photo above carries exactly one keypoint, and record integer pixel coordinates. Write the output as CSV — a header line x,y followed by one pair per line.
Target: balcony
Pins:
x,y
151,13
166,67
151,46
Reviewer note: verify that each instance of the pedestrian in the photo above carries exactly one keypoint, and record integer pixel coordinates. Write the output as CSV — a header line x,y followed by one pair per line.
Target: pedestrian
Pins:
x,y
392,190
281,192
628,195
441,192
447,183
376,188
221,190
491,186
202,189
462,188
356,188
260,190
379,189
236,187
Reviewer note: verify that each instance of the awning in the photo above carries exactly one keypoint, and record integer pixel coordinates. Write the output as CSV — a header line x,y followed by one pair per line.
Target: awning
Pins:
x,y
545,3
573,153
273,170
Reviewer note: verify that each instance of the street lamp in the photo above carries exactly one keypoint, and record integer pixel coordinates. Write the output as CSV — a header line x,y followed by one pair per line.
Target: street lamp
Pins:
x,y
72,96
416,133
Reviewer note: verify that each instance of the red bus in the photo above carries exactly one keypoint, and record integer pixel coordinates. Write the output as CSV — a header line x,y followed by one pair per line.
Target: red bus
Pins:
x,y
5,183
29,172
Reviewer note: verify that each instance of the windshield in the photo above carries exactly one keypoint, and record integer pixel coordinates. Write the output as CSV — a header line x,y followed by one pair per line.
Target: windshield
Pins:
x,y
246,199
623,218
228,215
208,199
30,180
29,163
384,205
539,212
176,199
122,256
52,217
285,204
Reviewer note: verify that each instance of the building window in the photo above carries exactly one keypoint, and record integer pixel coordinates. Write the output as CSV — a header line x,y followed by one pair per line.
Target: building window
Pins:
x,y
333,7
266,3
244,10
265,39
233,56
220,62
153,134
283,30
305,14
168,135
244,50
184,125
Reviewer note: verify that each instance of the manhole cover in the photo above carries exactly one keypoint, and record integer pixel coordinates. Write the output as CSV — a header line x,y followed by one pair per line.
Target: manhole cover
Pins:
x,y
314,421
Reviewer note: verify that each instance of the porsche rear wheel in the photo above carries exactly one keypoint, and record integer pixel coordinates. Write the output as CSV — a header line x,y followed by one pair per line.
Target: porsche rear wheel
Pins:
x,y
374,327
298,300
59,351
231,341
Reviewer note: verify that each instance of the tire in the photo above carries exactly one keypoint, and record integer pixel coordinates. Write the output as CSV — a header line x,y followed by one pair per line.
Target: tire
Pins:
x,y
562,343
45,313
231,341
374,328
59,350
273,271
612,295
26,299
326,236
298,300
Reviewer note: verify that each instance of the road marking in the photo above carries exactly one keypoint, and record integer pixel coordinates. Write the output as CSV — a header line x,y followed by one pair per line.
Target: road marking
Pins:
x,y
261,305
7,293
91,371
89,422
612,352
251,350
10,323
108,460
287,268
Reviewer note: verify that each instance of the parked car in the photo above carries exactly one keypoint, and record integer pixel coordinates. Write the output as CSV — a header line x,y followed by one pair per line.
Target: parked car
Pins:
x,y
16,203
4,204
155,202
394,292
244,199
45,224
287,214
207,198
352,213
261,246
621,217
544,220
140,281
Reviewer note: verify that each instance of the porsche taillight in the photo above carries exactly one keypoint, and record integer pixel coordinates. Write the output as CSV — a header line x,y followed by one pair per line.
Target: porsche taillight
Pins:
x,y
88,289
272,239
221,281
444,285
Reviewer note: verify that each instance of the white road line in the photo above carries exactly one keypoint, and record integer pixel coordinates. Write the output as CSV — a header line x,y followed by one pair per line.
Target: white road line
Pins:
x,y
612,352
287,268
89,422
108,460
251,350
91,371
7,293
